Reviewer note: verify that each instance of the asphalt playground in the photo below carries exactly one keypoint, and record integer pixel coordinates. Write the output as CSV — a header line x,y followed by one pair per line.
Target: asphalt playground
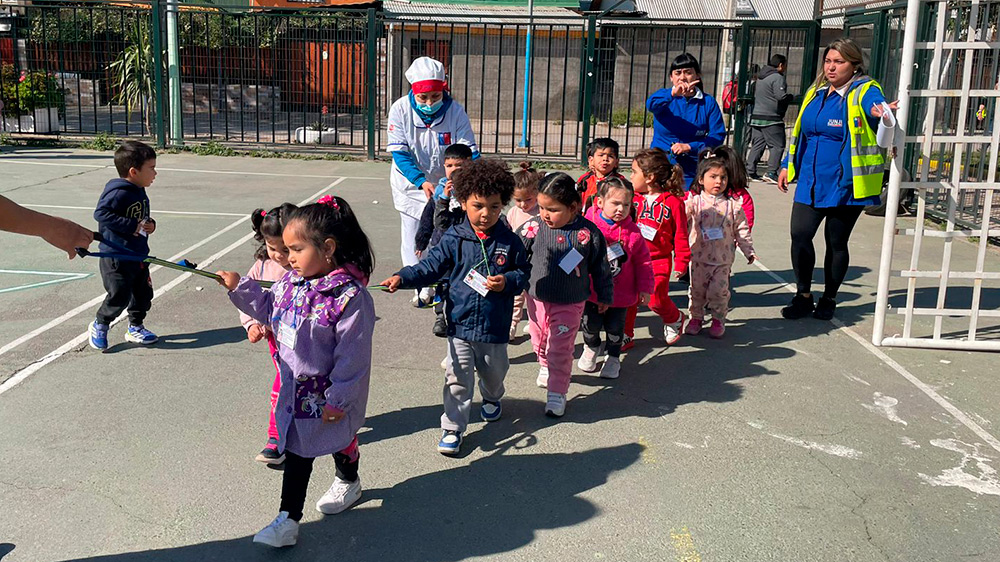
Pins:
x,y
784,441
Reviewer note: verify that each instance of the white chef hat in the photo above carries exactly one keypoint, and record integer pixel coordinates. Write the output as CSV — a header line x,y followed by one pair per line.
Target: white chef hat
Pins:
x,y
426,75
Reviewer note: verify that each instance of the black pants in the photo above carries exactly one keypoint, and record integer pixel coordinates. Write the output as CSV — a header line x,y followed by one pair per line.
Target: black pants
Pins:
x,y
771,136
295,480
612,322
128,285
805,222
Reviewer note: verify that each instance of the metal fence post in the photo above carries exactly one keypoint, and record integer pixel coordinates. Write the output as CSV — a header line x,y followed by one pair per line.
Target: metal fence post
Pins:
x,y
588,86
371,46
156,13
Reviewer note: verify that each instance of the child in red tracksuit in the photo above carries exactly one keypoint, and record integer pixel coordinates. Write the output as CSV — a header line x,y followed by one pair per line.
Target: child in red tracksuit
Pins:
x,y
659,201
602,160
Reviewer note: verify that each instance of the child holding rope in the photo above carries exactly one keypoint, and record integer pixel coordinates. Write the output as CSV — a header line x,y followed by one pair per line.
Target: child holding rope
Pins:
x,y
322,318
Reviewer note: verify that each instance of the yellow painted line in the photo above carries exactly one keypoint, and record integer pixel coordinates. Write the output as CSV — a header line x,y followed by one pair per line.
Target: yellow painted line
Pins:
x,y
684,545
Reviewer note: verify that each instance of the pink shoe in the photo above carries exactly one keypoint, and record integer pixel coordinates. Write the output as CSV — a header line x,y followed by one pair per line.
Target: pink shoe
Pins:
x,y
693,327
717,329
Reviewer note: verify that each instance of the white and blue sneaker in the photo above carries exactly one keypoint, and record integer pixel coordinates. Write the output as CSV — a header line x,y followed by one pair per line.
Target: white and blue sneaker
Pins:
x,y
490,411
98,336
450,443
139,334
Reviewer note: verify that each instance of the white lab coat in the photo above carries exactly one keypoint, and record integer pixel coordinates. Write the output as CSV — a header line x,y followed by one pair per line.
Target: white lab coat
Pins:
x,y
407,131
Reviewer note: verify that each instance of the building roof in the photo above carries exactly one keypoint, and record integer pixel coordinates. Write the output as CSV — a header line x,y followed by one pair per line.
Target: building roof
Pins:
x,y
702,10
480,12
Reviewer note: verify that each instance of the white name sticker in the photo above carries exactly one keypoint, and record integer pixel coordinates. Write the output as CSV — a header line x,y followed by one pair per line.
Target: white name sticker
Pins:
x,y
648,232
286,335
615,251
715,233
477,281
570,260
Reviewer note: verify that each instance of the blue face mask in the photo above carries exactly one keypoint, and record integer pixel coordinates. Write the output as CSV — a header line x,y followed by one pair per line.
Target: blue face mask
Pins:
x,y
430,109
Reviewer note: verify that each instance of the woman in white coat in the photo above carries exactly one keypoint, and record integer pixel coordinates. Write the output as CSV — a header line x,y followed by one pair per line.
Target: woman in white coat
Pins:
x,y
421,126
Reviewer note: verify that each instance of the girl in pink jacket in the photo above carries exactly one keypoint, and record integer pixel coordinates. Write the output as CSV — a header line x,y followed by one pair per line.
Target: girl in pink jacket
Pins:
x,y
631,267
271,265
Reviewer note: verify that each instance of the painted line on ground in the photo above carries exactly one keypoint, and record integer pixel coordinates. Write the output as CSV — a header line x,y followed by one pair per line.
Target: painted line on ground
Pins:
x,y
195,171
61,277
155,211
65,348
959,415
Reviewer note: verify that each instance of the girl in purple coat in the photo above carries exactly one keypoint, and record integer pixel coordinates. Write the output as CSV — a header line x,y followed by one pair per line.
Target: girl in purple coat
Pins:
x,y
322,318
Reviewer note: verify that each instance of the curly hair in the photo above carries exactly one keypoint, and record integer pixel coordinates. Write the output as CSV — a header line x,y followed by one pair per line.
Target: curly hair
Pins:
x,y
661,173
484,177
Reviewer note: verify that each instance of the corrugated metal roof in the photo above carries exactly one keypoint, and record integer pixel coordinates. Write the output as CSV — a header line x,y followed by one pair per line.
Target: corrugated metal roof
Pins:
x,y
472,13
788,10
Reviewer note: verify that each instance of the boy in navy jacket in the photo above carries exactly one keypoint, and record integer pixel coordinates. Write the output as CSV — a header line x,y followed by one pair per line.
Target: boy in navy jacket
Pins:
x,y
486,266
123,217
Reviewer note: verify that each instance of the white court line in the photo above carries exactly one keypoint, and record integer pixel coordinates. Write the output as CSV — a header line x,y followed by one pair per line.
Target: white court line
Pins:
x,y
61,278
100,298
159,169
156,211
65,348
895,366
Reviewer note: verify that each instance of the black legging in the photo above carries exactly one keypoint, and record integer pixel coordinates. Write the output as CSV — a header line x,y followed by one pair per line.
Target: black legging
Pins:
x,y
295,480
840,222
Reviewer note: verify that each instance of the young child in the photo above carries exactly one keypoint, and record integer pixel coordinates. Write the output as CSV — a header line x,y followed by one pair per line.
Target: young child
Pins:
x,y
738,181
271,265
322,318
122,215
717,225
567,255
631,269
525,208
443,211
486,267
659,199
602,161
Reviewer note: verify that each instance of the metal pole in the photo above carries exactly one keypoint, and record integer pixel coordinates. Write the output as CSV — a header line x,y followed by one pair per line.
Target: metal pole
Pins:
x,y
157,32
371,45
588,86
526,102
896,172
174,74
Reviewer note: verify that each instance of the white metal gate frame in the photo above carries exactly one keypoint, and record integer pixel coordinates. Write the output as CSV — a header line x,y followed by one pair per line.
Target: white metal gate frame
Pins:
x,y
954,187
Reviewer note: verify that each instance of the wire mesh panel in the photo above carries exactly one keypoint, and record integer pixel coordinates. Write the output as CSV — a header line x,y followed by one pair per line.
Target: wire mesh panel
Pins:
x,y
949,97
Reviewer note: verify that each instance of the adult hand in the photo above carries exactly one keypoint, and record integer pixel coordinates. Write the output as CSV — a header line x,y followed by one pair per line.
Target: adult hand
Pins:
x,y
783,180
392,283
229,279
428,188
877,112
255,333
67,236
496,283
680,148
685,89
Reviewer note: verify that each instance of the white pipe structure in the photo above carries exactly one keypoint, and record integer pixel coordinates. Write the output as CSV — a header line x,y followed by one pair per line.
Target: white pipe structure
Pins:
x,y
174,74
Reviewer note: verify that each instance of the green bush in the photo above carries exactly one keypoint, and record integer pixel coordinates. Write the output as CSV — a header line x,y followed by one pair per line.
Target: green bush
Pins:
x,y
638,118
102,141
25,91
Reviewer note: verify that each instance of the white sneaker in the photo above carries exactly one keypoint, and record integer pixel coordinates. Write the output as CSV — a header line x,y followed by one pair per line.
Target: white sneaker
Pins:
x,y
444,362
543,377
612,368
555,406
672,332
341,495
588,360
415,301
426,295
280,532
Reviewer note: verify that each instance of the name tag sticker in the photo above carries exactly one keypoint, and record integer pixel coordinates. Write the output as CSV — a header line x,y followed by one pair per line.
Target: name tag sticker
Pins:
x,y
615,251
715,233
648,232
477,281
570,260
286,335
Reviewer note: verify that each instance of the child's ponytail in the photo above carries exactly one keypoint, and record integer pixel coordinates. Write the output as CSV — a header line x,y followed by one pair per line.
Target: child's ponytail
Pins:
x,y
655,164
269,224
332,217
527,177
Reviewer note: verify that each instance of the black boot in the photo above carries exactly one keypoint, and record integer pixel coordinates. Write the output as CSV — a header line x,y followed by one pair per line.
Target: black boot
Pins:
x,y
800,307
824,309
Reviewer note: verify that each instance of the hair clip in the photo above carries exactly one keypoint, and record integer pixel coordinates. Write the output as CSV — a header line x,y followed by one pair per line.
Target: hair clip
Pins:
x,y
263,213
329,201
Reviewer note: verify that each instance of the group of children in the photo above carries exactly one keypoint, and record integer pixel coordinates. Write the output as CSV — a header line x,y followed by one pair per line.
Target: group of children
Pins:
x,y
573,254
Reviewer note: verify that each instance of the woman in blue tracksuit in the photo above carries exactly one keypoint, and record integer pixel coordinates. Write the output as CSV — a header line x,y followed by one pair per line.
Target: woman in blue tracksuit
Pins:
x,y
686,120
820,159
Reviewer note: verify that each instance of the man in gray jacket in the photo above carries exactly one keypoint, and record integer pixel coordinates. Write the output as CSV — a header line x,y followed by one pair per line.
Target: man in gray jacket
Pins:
x,y
767,122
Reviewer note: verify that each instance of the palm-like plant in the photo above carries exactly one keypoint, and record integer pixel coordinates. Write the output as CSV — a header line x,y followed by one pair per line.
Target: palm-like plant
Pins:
x,y
133,74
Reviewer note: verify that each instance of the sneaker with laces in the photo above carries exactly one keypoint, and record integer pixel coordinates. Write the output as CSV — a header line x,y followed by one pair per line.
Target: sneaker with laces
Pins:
x,y
139,334
341,495
612,368
588,360
440,328
555,405
98,336
280,532
543,377
672,331
771,178
490,411
450,443
269,454
717,328
694,327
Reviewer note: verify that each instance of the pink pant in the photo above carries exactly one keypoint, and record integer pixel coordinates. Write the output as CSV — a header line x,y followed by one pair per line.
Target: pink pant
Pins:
x,y
709,287
272,428
553,336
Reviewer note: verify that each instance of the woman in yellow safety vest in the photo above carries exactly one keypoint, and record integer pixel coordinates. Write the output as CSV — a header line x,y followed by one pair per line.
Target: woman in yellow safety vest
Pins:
x,y
838,165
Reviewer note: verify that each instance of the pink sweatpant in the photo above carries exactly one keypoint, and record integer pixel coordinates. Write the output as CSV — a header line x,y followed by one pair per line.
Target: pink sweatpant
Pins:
x,y
272,428
553,336
709,287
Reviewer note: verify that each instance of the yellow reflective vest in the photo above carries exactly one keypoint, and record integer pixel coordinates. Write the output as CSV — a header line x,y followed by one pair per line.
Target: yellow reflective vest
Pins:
x,y
867,158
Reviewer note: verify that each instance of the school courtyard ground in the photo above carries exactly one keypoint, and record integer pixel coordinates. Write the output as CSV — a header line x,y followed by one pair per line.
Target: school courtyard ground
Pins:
x,y
785,441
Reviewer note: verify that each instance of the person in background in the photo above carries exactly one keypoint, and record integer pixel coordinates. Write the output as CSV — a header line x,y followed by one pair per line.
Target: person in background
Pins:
x,y
767,122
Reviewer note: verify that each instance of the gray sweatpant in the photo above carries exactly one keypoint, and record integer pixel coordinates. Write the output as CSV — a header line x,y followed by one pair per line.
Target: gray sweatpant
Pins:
x,y
465,358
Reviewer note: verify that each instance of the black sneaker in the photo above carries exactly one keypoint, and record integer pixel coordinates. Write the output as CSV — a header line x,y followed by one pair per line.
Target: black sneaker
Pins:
x,y
755,177
440,326
824,309
771,178
270,454
800,307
